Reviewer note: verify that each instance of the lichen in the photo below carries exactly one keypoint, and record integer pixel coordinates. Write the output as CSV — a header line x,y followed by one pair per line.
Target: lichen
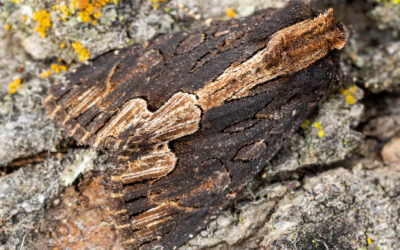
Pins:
x,y
7,27
56,68
81,51
349,94
389,1
12,86
304,124
229,12
318,126
45,74
42,18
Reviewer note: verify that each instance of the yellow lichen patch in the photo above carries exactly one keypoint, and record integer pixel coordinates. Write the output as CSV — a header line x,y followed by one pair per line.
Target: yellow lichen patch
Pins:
x,y
86,10
304,124
7,27
64,10
155,3
12,86
57,68
81,51
369,241
62,45
318,126
229,12
24,18
15,1
45,74
42,19
348,93
392,1
80,4
85,15
350,99
90,10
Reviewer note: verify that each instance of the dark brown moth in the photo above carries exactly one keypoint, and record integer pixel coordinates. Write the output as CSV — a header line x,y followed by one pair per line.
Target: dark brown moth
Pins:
x,y
194,116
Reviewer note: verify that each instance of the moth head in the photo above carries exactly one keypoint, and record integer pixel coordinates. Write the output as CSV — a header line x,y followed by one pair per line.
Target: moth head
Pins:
x,y
297,46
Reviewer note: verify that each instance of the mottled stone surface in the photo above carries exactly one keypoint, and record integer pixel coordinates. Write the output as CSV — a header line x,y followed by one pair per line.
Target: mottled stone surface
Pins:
x,y
345,209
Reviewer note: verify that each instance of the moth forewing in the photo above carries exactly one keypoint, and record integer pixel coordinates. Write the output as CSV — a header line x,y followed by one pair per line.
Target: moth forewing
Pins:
x,y
193,117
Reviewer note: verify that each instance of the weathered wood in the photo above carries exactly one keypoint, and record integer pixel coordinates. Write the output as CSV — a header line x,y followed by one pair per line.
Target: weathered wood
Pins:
x,y
196,115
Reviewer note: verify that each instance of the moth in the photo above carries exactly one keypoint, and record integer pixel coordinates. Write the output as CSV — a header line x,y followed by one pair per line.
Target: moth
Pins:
x,y
194,116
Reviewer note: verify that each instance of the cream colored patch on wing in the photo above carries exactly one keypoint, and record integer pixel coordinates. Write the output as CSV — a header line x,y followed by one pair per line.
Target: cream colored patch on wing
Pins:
x,y
289,50
139,127
153,165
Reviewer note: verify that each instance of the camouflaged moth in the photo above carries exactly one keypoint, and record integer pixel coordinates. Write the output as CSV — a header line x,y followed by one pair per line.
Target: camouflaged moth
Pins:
x,y
194,116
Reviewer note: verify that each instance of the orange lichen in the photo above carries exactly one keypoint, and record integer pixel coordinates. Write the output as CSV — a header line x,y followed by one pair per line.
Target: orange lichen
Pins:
x,y
12,86
90,10
42,19
24,18
84,15
86,10
65,11
229,12
80,4
57,68
81,51
7,27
